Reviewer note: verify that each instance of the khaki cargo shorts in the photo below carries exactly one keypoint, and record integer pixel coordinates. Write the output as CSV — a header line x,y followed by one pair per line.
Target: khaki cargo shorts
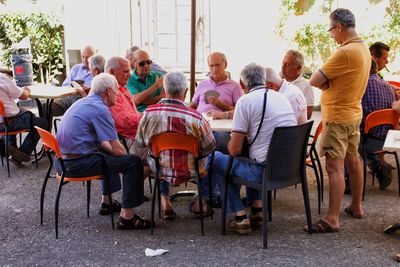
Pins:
x,y
339,139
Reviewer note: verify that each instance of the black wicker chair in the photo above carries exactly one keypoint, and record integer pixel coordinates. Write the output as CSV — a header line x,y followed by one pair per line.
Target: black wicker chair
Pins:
x,y
285,166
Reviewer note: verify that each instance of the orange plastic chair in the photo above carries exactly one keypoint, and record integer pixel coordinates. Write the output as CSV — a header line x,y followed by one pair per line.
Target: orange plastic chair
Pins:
x,y
175,141
394,83
376,118
314,162
51,145
6,133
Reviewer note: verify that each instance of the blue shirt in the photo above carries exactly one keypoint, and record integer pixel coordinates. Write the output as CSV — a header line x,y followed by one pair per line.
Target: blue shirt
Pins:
x,y
85,125
79,72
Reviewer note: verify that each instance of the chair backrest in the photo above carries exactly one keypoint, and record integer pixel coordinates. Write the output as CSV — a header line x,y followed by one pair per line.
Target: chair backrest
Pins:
x,y
317,132
49,141
286,158
2,109
174,141
394,83
381,117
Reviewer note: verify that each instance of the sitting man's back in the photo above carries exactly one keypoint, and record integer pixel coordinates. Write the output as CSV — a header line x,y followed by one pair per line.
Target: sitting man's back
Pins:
x,y
88,127
172,115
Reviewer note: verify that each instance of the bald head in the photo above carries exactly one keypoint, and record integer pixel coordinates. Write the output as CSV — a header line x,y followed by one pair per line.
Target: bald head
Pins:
x,y
141,63
217,64
86,53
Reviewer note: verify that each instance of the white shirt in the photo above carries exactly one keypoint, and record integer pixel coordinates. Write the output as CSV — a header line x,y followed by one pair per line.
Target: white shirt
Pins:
x,y
247,117
9,92
296,99
306,88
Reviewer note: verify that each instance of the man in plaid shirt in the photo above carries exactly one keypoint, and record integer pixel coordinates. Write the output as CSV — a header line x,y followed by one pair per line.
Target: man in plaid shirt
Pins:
x,y
172,115
378,95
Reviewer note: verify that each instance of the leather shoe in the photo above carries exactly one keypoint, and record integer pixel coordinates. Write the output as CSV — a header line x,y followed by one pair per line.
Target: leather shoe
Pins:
x,y
18,154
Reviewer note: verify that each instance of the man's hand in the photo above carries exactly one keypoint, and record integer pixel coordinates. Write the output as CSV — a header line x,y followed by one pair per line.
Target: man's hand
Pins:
x,y
26,91
159,81
213,100
80,92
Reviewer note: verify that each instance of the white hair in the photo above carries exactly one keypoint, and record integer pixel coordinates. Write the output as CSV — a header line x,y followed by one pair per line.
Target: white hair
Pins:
x,y
102,82
272,76
175,83
97,61
115,63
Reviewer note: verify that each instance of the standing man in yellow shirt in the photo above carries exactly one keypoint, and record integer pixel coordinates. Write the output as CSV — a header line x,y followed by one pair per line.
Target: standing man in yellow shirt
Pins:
x,y
342,79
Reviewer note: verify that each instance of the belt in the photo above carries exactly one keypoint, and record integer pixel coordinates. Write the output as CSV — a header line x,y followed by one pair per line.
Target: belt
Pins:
x,y
72,156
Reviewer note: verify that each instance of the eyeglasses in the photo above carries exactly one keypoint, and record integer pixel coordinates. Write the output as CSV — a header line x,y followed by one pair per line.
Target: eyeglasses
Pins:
x,y
142,63
331,28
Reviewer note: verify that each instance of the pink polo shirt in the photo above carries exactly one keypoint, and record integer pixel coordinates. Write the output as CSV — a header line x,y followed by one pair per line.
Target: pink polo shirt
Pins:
x,y
9,92
229,91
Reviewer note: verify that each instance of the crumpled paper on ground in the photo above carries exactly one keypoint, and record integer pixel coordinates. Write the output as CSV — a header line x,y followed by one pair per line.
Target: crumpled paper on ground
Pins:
x,y
157,252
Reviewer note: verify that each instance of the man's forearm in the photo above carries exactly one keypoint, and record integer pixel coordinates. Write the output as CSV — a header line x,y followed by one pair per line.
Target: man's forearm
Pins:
x,y
141,97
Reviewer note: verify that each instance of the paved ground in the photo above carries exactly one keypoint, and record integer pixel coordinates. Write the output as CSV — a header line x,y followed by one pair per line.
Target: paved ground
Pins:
x,y
91,241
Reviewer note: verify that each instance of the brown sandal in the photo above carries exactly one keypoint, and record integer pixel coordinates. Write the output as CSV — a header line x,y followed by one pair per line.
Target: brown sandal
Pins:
x,y
349,211
321,227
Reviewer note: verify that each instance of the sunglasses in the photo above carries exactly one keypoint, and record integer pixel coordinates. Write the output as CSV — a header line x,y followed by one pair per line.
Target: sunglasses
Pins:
x,y
142,63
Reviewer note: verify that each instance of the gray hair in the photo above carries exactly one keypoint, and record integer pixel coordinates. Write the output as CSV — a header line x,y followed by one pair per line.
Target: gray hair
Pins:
x,y
175,83
97,61
130,51
298,56
252,75
115,63
102,82
272,76
343,16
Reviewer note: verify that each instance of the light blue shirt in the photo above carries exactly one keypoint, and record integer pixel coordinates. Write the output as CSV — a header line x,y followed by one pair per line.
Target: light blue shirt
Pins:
x,y
79,72
85,125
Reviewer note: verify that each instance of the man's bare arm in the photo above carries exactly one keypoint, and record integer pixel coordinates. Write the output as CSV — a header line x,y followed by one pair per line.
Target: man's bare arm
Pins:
x,y
114,147
235,144
319,80
141,97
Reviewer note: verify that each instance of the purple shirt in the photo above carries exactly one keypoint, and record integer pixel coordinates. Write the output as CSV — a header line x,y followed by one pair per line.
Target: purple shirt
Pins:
x,y
85,125
378,95
229,91
79,72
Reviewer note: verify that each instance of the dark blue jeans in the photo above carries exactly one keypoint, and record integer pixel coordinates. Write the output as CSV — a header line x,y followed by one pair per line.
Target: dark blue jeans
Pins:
x,y
23,121
130,166
372,158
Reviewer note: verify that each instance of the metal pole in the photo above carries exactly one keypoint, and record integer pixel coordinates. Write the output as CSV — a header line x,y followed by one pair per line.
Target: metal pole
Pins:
x,y
193,50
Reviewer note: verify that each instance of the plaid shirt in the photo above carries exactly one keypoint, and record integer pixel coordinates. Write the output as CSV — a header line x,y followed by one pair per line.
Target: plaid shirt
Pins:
x,y
378,95
172,115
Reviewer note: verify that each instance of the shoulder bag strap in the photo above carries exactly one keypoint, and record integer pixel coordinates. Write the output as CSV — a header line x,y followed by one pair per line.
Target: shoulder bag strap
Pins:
x,y
262,118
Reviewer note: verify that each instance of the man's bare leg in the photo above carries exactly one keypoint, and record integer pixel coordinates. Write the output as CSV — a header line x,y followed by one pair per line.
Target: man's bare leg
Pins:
x,y
335,170
354,165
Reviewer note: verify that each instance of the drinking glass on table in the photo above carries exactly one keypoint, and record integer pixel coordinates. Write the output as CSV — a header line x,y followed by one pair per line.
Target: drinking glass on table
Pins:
x,y
207,116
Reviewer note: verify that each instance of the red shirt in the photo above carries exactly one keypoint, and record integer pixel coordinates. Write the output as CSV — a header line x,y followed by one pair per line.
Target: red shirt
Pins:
x,y
125,114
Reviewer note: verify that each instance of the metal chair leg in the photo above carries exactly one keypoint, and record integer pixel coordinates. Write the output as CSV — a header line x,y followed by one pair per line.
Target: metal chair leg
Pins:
x,y
88,198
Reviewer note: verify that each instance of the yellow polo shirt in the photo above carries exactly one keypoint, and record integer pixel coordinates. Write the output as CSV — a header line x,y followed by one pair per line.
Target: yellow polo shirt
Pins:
x,y
347,71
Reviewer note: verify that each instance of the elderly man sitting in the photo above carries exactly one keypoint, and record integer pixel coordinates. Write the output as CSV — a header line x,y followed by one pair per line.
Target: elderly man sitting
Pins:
x,y
18,119
144,84
291,91
246,120
172,115
95,132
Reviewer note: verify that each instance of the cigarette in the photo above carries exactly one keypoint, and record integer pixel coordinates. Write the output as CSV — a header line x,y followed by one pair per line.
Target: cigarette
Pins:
x,y
387,69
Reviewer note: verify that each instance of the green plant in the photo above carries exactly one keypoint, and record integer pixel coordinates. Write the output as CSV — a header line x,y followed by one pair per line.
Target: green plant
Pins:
x,y
45,32
314,41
